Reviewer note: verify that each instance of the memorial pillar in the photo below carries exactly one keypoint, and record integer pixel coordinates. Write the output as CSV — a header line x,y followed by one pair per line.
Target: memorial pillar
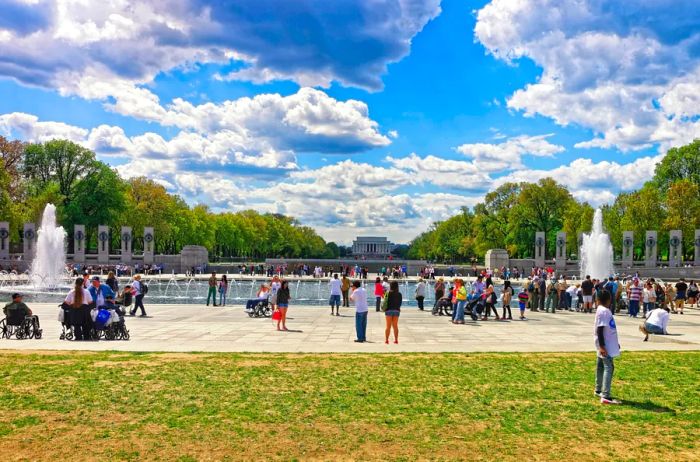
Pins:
x,y
148,246
4,240
540,246
627,249
103,244
650,245
561,250
79,244
29,242
696,262
127,240
675,248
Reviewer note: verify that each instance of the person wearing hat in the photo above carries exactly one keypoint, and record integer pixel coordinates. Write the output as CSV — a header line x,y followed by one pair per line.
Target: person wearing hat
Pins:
x,y
100,292
17,305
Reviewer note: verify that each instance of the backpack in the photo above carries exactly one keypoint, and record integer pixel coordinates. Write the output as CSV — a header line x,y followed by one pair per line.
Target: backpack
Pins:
x,y
144,288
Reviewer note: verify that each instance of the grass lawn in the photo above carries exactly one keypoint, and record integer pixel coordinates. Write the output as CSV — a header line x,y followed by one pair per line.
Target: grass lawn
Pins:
x,y
125,406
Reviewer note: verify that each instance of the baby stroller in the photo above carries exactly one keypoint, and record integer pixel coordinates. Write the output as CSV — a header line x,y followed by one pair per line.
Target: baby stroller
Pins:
x,y
20,326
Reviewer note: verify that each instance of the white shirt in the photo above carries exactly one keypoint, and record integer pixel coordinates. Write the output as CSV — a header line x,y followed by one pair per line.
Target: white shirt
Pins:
x,y
87,297
335,286
359,296
649,295
572,291
274,287
658,317
604,318
136,287
420,289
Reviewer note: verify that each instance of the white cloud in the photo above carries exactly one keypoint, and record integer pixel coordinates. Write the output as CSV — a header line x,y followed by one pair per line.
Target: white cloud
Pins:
x,y
448,173
508,154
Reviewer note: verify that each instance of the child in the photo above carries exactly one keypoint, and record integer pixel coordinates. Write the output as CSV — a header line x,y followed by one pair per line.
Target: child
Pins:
x,y
522,302
608,347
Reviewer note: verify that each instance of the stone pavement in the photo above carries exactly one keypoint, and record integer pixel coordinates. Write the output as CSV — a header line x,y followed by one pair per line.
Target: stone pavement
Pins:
x,y
180,328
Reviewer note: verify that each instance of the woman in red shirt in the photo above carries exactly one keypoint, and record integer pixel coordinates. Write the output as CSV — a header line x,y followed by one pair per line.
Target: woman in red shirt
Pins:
x,y
378,292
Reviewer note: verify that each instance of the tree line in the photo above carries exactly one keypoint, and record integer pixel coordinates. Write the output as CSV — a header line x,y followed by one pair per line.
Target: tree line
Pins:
x,y
89,192
509,216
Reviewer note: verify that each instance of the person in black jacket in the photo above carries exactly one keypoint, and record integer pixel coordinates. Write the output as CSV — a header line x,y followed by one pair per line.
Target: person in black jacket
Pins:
x,y
283,298
393,311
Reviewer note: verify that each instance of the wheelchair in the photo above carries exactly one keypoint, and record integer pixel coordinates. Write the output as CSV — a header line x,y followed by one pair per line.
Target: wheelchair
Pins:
x,y
115,330
20,326
262,309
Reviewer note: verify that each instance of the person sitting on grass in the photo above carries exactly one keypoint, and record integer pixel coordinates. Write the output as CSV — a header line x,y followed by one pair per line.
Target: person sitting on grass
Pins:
x,y
656,322
608,347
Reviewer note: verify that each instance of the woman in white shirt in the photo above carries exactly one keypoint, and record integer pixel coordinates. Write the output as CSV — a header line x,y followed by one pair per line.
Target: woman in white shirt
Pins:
x,y
648,298
656,323
79,300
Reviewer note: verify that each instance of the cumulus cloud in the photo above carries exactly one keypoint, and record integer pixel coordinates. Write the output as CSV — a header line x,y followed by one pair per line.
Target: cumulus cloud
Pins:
x,y
448,173
508,154
624,69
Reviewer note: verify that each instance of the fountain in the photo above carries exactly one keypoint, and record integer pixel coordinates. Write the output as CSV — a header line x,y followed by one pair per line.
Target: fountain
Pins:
x,y
596,251
48,267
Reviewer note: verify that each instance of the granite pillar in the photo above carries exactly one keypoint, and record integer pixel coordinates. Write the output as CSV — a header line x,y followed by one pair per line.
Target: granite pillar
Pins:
x,y
561,250
4,240
148,246
627,249
675,248
540,249
79,241
650,254
29,241
103,244
127,240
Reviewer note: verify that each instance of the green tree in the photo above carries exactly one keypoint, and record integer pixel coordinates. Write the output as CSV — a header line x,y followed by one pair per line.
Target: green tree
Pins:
x,y
682,163
578,218
683,211
492,218
641,211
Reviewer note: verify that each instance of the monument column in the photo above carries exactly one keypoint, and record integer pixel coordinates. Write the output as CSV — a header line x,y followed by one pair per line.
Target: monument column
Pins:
x,y
29,245
561,250
540,246
675,248
4,240
148,246
650,246
78,243
696,262
627,249
127,249
103,244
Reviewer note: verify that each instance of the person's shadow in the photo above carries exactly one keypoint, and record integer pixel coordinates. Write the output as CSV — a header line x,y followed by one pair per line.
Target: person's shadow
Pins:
x,y
297,331
648,406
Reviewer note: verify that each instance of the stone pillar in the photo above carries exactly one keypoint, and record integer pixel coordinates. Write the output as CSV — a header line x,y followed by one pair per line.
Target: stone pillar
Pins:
x,y
127,240
148,246
540,248
650,244
627,249
79,241
4,240
696,262
29,247
103,244
561,250
675,248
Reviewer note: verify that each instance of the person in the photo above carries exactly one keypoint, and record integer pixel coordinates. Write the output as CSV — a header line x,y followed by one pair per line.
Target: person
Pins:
x,y
607,346
562,295
611,286
378,292
393,311
656,322
552,297
460,301
112,282
359,298
223,289
508,293
693,294
490,300
138,290
522,302
125,297
542,292
211,294
275,285
17,305
634,296
283,298
335,288
262,295
648,298
420,293
79,299
345,290
587,292
439,292
681,289
100,292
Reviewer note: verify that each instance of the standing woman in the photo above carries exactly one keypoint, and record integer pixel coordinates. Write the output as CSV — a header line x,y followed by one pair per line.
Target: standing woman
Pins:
x,y
508,293
489,303
420,293
649,298
439,291
393,311
378,292
112,282
223,289
283,298
137,290
79,300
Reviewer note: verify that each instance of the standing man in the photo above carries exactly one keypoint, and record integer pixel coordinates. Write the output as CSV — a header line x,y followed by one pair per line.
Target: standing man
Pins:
x,y
420,293
608,347
212,289
634,295
681,289
334,286
359,297
138,289
542,289
345,289
611,286
587,293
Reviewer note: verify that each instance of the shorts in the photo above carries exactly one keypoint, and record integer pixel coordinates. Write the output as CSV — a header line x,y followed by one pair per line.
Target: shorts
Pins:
x,y
283,305
392,313
588,299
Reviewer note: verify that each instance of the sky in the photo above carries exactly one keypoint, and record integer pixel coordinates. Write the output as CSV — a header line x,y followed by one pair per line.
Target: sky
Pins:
x,y
363,117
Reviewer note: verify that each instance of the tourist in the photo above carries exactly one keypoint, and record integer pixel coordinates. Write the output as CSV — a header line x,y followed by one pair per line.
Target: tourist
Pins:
x,y
79,299
393,311
262,295
656,322
681,289
542,292
508,293
670,297
490,300
587,292
125,297
283,298
634,296
100,292
420,293
223,289
693,294
86,280
112,282
551,296
359,298
532,293
378,292
139,290
17,304
522,302
439,292
608,347
572,297
648,298
612,287
335,289
562,297
211,294
460,301
275,285
345,290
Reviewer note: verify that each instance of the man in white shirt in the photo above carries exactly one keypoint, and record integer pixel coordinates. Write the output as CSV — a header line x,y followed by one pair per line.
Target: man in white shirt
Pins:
x,y
656,323
608,347
334,286
359,297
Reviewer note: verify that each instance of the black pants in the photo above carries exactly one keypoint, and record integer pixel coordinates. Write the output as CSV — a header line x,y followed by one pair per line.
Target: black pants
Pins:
x,y
488,308
346,300
81,322
510,315
139,304
379,303
420,299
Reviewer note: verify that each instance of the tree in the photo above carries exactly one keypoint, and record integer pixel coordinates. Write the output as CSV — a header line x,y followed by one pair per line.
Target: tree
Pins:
x,y
578,218
641,211
683,211
11,155
682,163
492,217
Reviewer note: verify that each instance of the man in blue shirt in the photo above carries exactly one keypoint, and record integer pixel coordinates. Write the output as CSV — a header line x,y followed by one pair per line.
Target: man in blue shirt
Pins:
x,y
100,292
611,286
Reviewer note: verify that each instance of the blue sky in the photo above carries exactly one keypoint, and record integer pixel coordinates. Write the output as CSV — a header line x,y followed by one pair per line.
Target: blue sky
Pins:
x,y
357,117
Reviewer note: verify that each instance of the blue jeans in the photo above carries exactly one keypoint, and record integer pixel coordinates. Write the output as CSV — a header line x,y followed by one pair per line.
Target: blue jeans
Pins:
x,y
459,312
653,329
222,298
633,309
648,307
603,375
361,326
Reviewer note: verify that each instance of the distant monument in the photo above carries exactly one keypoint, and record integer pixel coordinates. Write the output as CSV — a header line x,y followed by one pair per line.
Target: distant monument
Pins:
x,y
372,247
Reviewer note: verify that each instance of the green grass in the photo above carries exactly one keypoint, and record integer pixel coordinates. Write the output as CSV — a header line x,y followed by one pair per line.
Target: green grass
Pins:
x,y
187,407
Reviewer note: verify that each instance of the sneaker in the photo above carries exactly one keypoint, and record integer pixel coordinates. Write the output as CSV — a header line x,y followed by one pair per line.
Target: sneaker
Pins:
x,y
609,400
143,316
598,394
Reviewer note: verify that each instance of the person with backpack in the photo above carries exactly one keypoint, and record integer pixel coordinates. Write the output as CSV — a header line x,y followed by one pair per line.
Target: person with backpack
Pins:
x,y
508,293
139,290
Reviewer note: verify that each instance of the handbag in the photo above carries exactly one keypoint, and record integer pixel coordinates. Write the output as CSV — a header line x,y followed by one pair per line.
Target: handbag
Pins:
x,y
276,315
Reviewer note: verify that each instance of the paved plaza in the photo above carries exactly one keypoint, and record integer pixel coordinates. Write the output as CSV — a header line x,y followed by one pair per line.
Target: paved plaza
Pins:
x,y
180,328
